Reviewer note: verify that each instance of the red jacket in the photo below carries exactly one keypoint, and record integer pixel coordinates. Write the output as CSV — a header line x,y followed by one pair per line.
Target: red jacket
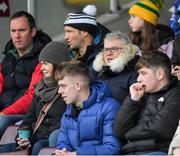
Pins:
x,y
1,81
22,104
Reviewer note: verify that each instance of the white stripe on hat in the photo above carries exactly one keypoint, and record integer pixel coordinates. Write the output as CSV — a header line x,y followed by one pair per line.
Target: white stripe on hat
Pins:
x,y
80,18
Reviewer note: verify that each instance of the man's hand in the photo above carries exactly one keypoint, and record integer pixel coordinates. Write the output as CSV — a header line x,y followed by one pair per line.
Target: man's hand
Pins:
x,y
176,71
64,152
137,91
23,143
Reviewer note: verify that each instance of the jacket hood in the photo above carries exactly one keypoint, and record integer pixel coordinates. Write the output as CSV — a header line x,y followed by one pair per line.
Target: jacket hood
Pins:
x,y
102,31
99,90
117,65
39,41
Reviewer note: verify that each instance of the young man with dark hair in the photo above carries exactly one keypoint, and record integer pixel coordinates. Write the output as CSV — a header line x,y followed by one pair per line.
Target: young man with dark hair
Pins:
x,y
149,115
87,124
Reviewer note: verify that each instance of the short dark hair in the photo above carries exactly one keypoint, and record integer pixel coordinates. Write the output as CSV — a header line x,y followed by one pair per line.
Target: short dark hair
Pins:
x,y
29,17
155,59
73,68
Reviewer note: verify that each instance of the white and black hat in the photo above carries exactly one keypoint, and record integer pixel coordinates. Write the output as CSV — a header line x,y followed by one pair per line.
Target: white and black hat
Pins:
x,y
84,20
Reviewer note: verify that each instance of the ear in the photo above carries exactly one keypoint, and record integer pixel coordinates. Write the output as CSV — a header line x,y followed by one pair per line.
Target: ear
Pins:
x,y
34,31
78,85
160,74
84,33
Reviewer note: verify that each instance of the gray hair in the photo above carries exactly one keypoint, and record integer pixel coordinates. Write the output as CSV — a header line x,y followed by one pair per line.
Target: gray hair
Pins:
x,y
119,35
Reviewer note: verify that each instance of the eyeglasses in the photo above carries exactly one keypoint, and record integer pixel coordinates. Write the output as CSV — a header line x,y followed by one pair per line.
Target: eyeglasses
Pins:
x,y
112,49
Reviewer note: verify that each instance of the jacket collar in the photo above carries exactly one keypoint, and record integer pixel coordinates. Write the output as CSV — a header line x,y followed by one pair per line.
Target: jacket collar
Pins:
x,y
117,65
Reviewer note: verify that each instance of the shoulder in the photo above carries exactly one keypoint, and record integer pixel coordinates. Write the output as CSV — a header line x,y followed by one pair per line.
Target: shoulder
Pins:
x,y
110,104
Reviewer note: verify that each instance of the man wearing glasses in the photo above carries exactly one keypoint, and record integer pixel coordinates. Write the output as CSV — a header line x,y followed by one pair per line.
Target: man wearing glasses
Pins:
x,y
115,64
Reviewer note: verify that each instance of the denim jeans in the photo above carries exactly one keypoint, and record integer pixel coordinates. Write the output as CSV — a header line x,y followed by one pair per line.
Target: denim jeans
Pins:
x,y
38,146
35,149
53,138
6,120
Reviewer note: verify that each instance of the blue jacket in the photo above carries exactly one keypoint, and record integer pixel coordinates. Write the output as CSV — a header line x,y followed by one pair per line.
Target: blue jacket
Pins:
x,y
91,131
174,17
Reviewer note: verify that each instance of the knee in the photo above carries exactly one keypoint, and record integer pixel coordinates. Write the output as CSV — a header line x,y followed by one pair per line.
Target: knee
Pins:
x,y
4,120
53,138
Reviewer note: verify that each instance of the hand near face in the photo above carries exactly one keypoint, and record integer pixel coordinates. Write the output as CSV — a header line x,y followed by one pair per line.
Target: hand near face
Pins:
x,y
136,91
176,71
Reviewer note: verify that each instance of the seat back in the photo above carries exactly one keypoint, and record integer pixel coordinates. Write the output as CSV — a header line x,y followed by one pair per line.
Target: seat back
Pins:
x,y
9,135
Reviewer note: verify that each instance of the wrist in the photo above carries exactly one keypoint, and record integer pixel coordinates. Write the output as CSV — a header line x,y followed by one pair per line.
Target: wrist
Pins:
x,y
135,98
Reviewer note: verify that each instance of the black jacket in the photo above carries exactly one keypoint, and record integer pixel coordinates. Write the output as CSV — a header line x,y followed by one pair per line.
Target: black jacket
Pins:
x,y
165,34
17,71
50,122
176,52
149,125
120,82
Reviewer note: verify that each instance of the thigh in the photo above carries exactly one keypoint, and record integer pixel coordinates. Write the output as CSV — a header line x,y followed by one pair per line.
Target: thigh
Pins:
x,y
53,138
38,146
8,147
8,120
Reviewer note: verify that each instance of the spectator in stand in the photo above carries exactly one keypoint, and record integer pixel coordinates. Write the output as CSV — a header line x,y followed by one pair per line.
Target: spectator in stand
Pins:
x,y
153,104
45,92
84,36
175,24
87,124
145,32
20,68
174,148
175,18
115,64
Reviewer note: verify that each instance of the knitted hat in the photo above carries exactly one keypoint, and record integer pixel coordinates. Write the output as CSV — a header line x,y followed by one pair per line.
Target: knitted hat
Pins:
x,y
54,52
84,20
147,9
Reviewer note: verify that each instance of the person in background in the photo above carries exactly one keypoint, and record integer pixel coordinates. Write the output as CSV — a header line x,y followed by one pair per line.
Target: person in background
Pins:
x,y
20,68
87,124
149,116
175,25
175,18
145,32
45,92
84,35
174,148
115,64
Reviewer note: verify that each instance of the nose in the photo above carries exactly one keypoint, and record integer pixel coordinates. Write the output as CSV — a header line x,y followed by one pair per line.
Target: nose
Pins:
x,y
130,20
59,90
139,79
17,34
42,66
66,36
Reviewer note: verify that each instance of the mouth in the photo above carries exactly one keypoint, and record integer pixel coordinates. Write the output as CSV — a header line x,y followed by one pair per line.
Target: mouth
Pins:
x,y
68,43
17,42
64,98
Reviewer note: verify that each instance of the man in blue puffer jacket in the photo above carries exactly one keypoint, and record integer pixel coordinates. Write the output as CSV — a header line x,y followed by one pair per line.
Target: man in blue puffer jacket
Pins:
x,y
87,124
